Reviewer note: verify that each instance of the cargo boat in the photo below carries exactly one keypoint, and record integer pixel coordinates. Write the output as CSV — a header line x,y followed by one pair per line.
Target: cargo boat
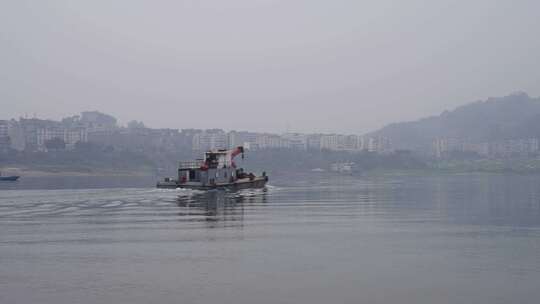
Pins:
x,y
217,170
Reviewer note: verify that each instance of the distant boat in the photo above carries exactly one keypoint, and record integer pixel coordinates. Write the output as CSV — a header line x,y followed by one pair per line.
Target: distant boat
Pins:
x,y
10,178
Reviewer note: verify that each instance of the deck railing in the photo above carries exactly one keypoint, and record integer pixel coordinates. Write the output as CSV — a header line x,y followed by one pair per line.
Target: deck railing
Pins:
x,y
192,164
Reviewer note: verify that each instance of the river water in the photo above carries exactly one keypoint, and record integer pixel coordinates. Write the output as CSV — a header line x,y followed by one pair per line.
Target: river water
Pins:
x,y
304,239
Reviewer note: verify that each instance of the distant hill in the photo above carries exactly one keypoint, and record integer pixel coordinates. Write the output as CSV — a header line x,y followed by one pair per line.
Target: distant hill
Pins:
x,y
513,116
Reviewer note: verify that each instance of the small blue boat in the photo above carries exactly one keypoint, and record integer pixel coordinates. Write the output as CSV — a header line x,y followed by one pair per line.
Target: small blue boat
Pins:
x,y
10,178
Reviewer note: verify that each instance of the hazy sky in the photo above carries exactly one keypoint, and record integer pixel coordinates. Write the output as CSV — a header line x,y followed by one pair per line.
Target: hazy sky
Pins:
x,y
264,65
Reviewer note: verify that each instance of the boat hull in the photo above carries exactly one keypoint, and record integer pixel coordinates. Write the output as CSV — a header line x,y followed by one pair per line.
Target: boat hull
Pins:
x,y
258,182
9,178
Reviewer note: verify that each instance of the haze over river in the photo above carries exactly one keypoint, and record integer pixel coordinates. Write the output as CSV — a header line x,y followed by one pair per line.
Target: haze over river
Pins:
x,y
305,239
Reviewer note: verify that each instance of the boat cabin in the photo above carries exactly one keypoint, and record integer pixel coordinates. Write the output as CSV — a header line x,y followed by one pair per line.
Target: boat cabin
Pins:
x,y
217,167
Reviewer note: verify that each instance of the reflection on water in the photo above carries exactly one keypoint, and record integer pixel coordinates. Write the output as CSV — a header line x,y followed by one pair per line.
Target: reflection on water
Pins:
x,y
219,206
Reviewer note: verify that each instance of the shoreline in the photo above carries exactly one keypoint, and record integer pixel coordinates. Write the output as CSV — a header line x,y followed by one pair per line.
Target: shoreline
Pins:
x,y
44,172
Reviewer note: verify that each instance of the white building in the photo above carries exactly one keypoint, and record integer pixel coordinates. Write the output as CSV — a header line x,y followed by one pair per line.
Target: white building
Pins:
x,y
70,136
514,146
296,141
210,140
338,142
353,143
73,136
270,141
4,125
377,144
334,142
443,146
4,134
46,134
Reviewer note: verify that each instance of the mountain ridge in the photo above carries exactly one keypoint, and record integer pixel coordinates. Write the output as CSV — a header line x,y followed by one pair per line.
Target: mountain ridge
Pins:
x,y
513,116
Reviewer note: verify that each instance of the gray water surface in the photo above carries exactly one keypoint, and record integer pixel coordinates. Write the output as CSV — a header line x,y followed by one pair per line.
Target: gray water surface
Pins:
x,y
318,239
